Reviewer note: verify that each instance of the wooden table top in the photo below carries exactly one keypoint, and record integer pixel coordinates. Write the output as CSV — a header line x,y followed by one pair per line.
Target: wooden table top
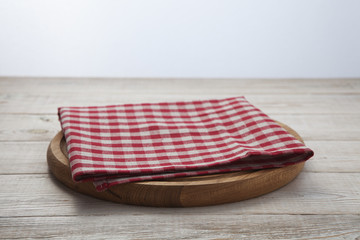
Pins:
x,y
322,202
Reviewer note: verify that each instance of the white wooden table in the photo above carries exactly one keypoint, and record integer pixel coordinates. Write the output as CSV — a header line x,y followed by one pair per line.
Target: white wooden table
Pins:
x,y
322,202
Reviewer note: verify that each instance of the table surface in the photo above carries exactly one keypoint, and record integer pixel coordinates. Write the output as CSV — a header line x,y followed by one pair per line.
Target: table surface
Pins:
x,y
322,202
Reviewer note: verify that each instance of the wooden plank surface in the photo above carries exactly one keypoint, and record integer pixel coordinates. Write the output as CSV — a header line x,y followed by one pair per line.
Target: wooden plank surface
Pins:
x,y
322,202
309,193
181,226
13,102
180,86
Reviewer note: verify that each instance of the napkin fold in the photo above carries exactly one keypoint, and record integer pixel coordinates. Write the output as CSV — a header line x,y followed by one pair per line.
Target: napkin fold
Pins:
x,y
146,141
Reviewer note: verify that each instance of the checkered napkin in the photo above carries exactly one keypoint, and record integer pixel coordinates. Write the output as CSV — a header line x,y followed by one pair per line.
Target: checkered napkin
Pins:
x,y
135,142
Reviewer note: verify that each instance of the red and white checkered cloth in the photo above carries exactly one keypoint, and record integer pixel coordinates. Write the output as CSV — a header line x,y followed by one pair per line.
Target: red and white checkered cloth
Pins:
x,y
135,142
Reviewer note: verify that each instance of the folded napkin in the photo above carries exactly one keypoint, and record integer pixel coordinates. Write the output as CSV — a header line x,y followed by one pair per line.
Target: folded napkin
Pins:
x,y
135,142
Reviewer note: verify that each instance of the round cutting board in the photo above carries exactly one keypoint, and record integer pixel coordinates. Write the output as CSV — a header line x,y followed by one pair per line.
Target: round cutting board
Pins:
x,y
178,192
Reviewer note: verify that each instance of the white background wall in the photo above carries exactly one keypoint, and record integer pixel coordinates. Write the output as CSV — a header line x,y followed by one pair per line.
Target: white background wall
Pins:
x,y
184,38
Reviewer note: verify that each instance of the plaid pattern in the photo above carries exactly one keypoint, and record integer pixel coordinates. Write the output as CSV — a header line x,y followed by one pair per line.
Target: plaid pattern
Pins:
x,y
135,142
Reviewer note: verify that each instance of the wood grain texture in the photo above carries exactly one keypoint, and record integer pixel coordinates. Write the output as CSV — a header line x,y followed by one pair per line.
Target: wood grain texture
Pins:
x,y
171,86
270,103
161,227
310,193
323,202
178,192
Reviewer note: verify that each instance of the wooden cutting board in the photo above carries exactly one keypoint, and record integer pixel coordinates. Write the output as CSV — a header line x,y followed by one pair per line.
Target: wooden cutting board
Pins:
x,y
178,192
